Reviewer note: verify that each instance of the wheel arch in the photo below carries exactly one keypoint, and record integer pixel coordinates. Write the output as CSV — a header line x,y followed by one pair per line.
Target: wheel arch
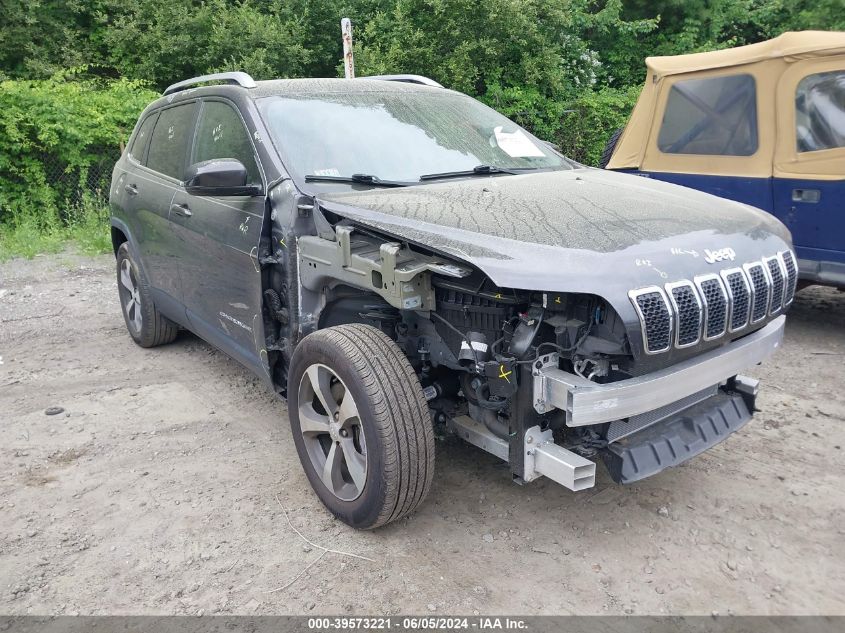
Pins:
x,y
121,234
118,237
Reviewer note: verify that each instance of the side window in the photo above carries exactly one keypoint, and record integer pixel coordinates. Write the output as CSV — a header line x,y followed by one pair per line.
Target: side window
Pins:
x,y
142,139
169,140
820,111
714,116
221,134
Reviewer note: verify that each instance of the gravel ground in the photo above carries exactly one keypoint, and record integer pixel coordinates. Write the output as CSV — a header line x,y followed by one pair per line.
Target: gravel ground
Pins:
x,y
162,488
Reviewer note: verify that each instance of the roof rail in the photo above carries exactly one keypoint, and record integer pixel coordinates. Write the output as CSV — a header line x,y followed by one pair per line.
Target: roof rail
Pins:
x,y
410,79
239,78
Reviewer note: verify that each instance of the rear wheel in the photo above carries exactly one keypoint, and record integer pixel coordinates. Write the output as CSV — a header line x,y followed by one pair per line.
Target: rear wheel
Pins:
x,y
361,425
146,325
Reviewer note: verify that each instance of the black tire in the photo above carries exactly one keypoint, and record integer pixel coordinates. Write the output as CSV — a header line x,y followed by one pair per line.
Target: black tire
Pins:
x,y
610,147
393,417
155,328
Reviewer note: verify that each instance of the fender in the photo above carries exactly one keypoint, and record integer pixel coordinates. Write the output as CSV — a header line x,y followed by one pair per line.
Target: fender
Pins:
x,y
168,306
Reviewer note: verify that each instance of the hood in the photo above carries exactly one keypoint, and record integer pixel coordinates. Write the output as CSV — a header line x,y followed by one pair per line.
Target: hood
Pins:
x,y
568,231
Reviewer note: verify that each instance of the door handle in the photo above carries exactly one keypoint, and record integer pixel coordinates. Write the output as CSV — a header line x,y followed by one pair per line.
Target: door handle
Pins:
x,y
132,190
181,209
806,195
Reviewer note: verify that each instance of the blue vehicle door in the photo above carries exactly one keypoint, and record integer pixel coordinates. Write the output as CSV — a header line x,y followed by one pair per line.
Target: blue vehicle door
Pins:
x,y
809,166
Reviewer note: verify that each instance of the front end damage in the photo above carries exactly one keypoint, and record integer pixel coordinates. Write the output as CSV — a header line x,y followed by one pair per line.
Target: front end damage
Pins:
x,y
642,425
559,419
553,350
553,382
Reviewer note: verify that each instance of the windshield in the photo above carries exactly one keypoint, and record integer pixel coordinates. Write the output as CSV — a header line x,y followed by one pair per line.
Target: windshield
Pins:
x,y
398,135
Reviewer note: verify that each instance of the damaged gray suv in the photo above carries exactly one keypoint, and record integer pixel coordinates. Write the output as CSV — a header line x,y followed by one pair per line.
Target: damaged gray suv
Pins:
x,y
397,260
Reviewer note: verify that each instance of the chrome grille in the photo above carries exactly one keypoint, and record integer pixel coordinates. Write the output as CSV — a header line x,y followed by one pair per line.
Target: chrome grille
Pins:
x,y
760,287
688,309
715,306
776,276
682,313
656,318
791,276
739,296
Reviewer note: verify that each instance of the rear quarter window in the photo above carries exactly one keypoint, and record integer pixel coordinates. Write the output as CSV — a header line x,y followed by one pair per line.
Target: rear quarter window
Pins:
x,y
715,116
142,138
169,140
820,111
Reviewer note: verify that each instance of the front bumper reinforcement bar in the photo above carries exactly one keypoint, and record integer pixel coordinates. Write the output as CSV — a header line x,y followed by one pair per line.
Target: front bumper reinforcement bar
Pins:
x,y
586,402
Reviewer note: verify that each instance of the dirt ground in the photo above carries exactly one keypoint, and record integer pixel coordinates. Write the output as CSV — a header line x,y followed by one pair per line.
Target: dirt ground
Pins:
x,y
160,490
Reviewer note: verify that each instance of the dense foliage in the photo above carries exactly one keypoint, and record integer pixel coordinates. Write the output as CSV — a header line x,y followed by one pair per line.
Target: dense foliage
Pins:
x,y
568,69
55,133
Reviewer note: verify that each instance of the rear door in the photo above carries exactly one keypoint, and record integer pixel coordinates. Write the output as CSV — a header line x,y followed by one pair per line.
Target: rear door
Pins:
x,y
153,185
809,183
218,262
124,195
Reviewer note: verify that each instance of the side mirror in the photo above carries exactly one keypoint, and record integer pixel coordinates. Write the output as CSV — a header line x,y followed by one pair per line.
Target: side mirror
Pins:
x,y
219,177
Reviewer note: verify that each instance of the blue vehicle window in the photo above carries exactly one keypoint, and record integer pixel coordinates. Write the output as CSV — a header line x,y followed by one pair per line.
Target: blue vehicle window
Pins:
x,y
716,116
820,111
169,141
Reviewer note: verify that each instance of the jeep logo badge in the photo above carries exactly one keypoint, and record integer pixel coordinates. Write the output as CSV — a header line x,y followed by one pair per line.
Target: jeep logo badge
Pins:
x,y
711,257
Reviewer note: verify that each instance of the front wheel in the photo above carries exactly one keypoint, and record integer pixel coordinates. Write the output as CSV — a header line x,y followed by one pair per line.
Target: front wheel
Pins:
x,y
361,425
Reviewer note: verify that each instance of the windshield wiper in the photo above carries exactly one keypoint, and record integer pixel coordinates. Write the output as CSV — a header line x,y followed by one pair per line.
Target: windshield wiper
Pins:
x,y
478,170
363,179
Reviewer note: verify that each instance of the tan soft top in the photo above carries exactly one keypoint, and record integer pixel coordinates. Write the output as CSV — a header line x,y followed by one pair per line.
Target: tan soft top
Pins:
x,y
777,66
792,46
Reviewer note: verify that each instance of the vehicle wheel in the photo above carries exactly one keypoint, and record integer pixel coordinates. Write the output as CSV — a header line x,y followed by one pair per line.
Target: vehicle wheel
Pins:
x,y
361,425
146,325
610,147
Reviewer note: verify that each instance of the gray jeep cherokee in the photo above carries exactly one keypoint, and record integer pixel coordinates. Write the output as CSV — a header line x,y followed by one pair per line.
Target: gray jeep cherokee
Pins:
x,y
397,259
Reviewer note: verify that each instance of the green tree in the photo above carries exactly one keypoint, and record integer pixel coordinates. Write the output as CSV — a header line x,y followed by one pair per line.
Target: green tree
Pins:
x,y
64,123
39,37
163,42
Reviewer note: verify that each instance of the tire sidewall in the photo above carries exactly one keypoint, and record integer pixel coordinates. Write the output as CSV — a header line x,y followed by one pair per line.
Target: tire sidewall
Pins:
x,y
147,333
364,511
610,148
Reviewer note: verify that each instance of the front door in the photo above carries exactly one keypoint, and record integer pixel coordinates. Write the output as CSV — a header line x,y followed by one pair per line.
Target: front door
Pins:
x,y
809,170
218,264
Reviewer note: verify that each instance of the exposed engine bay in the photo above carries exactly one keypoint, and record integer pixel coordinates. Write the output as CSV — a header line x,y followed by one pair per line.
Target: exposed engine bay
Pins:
x,y
499,367
465,337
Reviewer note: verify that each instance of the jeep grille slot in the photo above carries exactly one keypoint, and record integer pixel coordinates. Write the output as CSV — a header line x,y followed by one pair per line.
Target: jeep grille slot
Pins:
x,y
688,309
740,298
760,286
656,320
777,284
791,276
682,313
715,307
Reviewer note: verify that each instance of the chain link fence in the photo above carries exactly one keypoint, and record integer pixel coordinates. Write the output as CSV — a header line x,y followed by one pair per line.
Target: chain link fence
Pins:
x,y
78,187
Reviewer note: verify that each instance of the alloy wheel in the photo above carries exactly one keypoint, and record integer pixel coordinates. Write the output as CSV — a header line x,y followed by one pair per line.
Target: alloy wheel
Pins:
x,y
332,432
130,295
